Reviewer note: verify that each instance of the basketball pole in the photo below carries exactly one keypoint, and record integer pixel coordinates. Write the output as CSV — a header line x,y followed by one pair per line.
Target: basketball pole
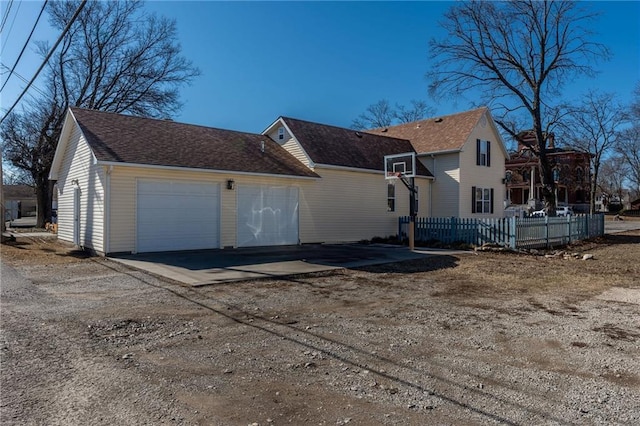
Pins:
x,y
412,213
411,186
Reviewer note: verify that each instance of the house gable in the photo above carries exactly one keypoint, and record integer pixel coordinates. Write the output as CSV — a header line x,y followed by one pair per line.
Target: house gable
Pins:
x,y
280,132
332,146
117,139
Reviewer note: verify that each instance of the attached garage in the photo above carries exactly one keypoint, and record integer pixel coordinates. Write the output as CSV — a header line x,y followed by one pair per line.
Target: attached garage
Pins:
x,y
267,215
175,215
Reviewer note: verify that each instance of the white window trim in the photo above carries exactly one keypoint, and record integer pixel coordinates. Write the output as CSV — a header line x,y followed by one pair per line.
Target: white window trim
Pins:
x,y
391,198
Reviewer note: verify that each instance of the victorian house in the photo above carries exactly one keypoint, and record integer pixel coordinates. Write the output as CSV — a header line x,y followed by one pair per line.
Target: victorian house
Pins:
x,y
571,171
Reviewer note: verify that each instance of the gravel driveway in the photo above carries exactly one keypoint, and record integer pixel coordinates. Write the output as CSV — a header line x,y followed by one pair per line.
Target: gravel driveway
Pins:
x,y
90,341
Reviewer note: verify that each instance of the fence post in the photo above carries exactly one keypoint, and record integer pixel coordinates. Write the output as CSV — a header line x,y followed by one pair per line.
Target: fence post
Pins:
x,y
569,227
546,231
454,229
587,227
512,232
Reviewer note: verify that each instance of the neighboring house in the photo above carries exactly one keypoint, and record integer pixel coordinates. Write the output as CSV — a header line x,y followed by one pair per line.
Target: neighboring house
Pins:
x,y
571,170
130,184
466,155
19,201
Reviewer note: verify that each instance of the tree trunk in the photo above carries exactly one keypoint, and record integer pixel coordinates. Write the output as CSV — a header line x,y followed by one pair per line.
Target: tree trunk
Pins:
x,y
592,191
43,197
546,172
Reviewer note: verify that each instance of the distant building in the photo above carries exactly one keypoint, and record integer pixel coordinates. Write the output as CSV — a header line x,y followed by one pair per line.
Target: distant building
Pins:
x,y
571,169
19,201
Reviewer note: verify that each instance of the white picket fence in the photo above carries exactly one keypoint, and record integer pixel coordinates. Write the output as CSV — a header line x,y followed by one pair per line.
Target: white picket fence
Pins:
x,y
510,232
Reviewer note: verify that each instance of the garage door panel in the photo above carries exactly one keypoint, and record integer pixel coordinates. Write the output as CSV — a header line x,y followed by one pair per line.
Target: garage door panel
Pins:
x,y
175,215
267,215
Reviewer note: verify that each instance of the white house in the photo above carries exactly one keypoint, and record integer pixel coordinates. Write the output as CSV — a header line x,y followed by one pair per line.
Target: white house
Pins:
x,y
131,184
466,155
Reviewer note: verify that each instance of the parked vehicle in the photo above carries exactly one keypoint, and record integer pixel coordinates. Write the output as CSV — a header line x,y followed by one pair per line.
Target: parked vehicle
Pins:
x,y
538,213
564,211
560,212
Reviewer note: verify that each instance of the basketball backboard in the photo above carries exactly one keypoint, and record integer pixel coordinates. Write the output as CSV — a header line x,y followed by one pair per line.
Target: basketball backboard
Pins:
x,y
400,165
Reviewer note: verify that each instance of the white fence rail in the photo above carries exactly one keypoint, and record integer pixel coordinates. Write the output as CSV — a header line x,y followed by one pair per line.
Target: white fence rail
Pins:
x,y
510,232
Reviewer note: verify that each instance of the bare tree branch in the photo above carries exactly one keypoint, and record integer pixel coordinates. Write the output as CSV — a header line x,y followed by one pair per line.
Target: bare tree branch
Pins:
x,y
520,54
115,57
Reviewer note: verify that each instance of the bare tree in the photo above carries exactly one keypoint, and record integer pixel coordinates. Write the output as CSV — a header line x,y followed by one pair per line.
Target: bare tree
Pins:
x,y
381,114
628,147
628,144
376,115
518,54
613,176
115,57
593,127
418,111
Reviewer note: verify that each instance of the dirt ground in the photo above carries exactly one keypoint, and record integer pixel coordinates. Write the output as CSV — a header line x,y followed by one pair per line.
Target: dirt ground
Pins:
x,y
479,338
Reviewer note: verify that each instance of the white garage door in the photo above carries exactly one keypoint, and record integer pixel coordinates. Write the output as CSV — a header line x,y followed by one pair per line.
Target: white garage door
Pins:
x,y
267,215
177,215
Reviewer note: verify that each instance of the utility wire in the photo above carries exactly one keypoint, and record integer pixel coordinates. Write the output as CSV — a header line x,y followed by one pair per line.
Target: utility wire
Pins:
x,y
24,80
25,45
6,15
64,32
13,21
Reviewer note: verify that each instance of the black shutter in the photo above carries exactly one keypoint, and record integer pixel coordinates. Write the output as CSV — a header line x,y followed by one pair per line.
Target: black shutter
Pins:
x,y
473,199
489,154
492,200
478,152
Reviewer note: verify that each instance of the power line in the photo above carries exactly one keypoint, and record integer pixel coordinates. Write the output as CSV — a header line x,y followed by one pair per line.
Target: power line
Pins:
x,y
6,15
15,16
24,80
25,45
64,32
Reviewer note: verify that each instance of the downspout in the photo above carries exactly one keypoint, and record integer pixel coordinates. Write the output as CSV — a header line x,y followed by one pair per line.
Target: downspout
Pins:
x,y
433,160
107,210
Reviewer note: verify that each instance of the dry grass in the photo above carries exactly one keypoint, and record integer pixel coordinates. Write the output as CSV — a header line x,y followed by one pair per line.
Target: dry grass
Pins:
x,y
33,250
616,263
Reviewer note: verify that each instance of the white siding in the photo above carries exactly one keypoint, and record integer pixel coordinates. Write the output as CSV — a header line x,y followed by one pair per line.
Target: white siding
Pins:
x,y
446,186
290,144
482,176
123,200
351,206
341,206
79,164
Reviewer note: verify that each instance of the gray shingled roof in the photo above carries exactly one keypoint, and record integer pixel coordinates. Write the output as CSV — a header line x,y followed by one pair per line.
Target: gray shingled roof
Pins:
x,y
338,146
128,139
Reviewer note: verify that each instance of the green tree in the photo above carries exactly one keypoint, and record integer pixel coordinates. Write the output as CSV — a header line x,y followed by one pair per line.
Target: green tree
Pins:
x,y
518,54
115,57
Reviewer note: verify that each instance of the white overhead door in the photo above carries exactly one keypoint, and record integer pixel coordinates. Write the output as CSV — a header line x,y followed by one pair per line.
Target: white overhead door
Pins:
x,y
267,215
177,215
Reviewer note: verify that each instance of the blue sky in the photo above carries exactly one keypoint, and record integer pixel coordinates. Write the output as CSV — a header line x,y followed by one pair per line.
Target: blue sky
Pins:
x,y
319,61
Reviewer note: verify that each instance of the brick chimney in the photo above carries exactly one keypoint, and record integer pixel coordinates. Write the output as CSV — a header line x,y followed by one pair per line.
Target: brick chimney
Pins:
x,y
551,141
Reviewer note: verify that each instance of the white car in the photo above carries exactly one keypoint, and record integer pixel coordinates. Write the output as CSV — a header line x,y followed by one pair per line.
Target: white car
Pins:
x,y
560,212
564,211
538,213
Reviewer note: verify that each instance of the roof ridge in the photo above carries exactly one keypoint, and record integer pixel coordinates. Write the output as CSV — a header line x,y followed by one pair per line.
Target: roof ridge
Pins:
x,y
435,117
343,128
164,120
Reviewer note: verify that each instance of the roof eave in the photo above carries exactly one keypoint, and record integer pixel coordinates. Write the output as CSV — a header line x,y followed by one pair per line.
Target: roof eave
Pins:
x,y
69,122
193,169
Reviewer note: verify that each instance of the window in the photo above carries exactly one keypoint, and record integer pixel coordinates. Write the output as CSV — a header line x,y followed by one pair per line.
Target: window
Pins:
x,y
417,199
481,200
579,175
483,153
391,197
280,133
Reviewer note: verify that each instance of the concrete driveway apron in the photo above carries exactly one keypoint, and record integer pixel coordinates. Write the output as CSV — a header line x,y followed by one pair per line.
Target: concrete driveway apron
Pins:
x,y
205,267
